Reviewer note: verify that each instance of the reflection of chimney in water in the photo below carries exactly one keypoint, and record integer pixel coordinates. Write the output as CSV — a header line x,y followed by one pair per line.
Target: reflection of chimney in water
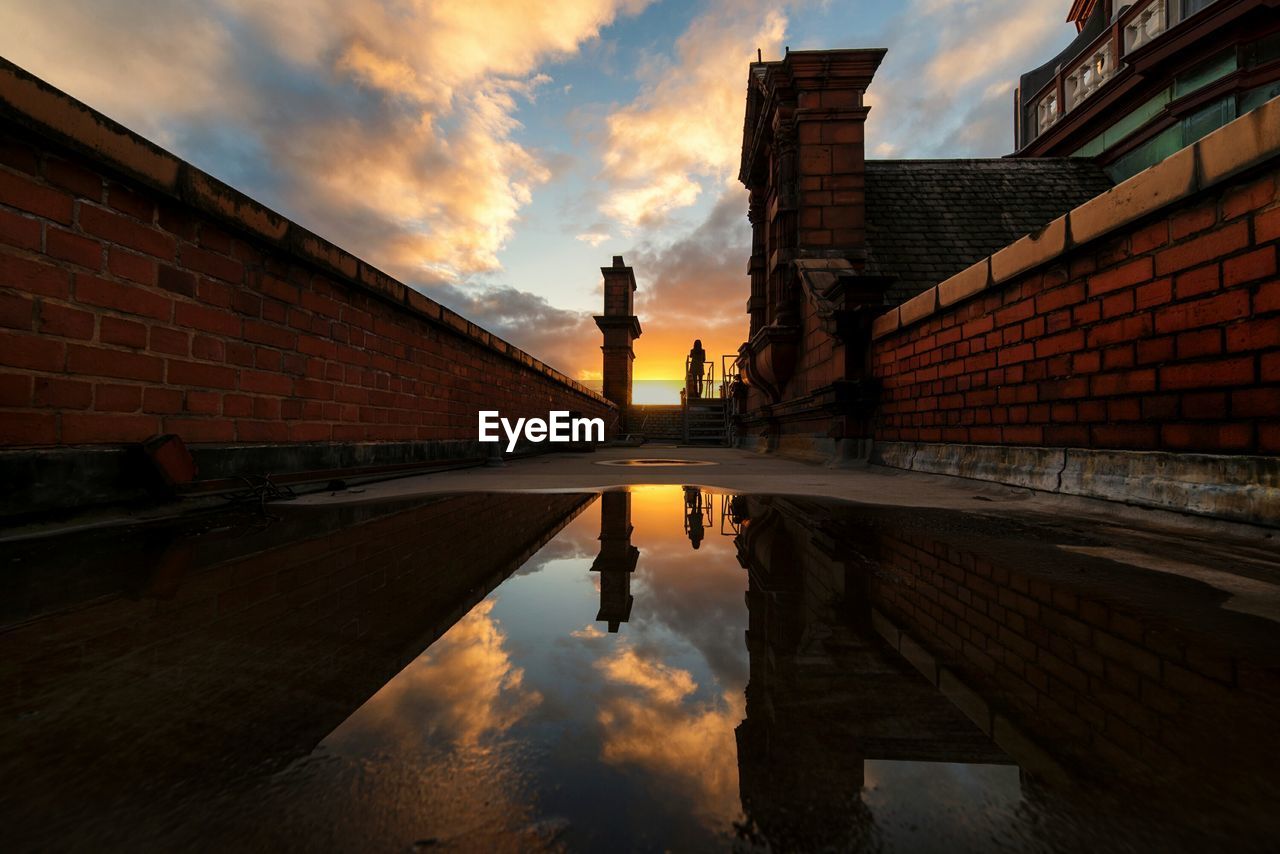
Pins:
x,y
617,559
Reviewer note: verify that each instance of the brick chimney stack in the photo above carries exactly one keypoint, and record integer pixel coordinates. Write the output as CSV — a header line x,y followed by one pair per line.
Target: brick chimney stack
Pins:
x,y
803,163
830,119
620,327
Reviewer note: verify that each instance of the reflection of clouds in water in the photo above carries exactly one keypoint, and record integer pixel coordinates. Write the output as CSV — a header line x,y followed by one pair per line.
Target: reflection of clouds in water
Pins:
x,y
701,603
461,690
694,595
647,721
569,544
668,685
589,631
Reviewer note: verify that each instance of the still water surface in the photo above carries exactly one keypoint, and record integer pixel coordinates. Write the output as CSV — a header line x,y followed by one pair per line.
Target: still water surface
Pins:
x,y
657,669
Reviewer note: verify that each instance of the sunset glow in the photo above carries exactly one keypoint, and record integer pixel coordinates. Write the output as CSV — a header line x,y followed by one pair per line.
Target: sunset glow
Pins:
x,y
494,154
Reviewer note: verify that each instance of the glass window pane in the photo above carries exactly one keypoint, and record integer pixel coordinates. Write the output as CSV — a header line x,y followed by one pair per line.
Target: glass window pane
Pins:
x,y
1149,153
1208,119
1205,73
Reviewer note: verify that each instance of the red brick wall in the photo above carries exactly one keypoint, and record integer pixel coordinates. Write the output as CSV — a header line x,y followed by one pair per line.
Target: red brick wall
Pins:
x,y
1163,337
655,421
821,359
125,313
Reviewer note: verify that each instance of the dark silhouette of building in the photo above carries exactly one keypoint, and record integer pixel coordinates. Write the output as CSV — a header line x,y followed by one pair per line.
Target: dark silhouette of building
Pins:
x,y
826,692
621,327
617,559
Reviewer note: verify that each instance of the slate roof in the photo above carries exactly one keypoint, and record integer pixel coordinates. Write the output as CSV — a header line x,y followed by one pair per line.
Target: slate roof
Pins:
x,y
929,219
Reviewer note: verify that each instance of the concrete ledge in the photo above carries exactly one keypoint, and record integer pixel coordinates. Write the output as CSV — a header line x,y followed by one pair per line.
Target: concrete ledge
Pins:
x,y
1029,252
1244,489
1236,488
230,461
884,324
1150,190
965,284
1248,141
60,479
1031,468
801,447
70,121
918,307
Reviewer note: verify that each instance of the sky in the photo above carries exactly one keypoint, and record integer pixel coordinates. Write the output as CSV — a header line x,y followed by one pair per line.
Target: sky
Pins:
x,y
494,154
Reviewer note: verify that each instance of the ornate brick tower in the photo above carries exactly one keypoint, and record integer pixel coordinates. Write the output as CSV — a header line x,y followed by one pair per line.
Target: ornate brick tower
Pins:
x,y
620,327
803,163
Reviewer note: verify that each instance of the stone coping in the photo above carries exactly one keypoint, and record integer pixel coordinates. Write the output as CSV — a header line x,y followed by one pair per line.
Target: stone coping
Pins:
x,y
33,104
1248,141
1236,488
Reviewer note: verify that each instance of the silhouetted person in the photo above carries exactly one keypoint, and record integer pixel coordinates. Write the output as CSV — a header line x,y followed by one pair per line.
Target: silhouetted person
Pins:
x,y
694,525
695,371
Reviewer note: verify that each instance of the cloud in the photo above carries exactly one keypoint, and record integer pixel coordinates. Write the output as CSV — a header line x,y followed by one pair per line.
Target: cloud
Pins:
x,y
981,39
561,337
463,690
653,723
944,89
695,286
594,238
685,127
588,632
388,127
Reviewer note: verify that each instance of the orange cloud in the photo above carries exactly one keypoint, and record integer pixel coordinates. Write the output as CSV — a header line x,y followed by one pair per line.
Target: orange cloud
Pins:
x,y
386,126
652,724
694,287
461,690
686,125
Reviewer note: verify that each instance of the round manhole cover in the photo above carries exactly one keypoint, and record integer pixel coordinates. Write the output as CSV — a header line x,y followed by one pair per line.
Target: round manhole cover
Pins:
x,y
655,463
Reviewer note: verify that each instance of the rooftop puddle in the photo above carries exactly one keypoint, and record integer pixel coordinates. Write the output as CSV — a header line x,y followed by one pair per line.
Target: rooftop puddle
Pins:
x,y
663,668
654,463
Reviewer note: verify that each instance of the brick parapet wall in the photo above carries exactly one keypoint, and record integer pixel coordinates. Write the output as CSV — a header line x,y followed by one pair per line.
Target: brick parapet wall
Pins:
x,y
656,421
138,295
1147,319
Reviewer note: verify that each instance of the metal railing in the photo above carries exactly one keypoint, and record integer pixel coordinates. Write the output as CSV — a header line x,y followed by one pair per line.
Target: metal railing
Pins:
x,y
730,373
733,518
704,387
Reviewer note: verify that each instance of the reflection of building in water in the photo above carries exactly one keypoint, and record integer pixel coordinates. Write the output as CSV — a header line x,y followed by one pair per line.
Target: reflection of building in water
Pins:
x,y
1123,718
697,514
617,559
826,693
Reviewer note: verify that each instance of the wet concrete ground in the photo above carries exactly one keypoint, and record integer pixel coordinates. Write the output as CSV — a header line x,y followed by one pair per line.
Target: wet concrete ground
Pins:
x,y
761,657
